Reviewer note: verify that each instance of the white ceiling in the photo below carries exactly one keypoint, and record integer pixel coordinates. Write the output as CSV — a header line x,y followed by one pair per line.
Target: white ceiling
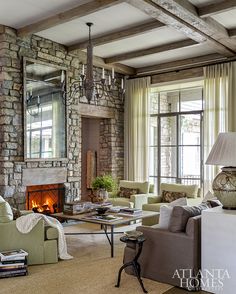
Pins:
x,y
227,18
107,20
168,56
160,36
18,13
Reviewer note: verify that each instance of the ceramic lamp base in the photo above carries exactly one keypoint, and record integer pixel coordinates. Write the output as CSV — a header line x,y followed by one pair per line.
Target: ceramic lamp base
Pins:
x,y
224,187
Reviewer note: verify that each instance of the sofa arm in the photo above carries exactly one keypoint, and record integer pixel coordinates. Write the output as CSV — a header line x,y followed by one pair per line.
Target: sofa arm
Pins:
x,y
154,199
139,200
50,233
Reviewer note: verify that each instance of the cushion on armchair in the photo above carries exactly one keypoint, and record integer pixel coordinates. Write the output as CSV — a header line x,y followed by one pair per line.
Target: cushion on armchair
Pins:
x,y
181,214
190,190
142,186
168,196
127,192
6,214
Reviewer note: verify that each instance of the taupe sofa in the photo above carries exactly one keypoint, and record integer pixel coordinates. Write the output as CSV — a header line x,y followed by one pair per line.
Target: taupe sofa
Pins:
x,y
165,252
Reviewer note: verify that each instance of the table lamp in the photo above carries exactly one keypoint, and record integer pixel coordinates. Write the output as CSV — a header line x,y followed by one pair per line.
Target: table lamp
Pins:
x,y
223,153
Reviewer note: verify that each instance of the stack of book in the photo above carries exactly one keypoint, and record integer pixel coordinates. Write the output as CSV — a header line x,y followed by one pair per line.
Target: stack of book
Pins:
x,y
13,263
130,211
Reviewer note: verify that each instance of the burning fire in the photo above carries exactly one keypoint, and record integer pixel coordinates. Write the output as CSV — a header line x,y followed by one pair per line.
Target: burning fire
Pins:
x,y
47,206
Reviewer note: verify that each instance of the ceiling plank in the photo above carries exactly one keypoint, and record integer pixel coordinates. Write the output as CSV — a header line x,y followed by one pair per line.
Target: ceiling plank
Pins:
x,y
182,16
216,8
99,62
181,64
115,36
152,50
68,15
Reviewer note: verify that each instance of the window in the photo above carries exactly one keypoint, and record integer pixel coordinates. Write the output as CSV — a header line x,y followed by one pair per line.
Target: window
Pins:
x,y
175,136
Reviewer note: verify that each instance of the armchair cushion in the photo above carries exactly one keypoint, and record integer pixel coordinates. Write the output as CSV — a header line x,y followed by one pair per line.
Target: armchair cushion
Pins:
x,y
181,214
190,190
127,192
168,196
142,186
6,214
166,211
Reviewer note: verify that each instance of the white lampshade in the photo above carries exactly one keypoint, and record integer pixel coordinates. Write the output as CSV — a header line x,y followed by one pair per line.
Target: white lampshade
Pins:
x,y
223,151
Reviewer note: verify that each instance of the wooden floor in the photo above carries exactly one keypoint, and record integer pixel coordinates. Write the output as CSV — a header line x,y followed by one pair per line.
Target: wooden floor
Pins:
x,y
182,291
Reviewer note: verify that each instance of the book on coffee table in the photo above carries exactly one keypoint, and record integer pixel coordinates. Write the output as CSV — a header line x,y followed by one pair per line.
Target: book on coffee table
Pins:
x,y
105,217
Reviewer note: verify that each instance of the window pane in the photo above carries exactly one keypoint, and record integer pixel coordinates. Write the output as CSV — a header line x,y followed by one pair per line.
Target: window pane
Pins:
x,y
189,162
154,102
191,99
169,102
47,143
190,129
168,130
153,131
190,182
153,162
35,144
154,181
168,180
168,162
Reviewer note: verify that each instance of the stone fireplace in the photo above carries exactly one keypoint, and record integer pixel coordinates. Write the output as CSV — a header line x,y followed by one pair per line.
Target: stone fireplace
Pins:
x,y
17,173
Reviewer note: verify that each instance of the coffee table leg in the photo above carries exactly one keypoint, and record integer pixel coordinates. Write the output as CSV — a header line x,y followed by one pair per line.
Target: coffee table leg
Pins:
x,y
112,241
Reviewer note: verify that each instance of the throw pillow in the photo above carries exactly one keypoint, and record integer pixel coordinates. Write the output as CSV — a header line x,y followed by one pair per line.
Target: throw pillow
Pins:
x,y
169,196
181,214
166,210
1,199
127,192
6,214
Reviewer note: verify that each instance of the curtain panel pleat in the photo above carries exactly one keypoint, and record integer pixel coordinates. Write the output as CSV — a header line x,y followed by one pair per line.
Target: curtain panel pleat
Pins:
x,y
136,129
219,110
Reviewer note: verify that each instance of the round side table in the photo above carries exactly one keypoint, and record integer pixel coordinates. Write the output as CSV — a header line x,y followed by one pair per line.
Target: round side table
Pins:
x,y
134,263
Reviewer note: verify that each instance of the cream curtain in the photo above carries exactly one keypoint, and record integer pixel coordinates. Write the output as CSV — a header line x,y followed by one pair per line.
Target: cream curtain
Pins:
x,y
136,129
219,111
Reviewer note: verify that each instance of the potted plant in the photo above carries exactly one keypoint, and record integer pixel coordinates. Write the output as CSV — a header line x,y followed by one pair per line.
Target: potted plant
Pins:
x,y
102,185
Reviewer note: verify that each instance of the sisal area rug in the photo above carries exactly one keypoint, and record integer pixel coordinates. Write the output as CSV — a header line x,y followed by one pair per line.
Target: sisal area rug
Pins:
x,y
92,271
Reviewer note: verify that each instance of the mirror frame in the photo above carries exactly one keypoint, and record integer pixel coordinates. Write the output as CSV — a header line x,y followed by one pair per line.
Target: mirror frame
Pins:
x,y
25,59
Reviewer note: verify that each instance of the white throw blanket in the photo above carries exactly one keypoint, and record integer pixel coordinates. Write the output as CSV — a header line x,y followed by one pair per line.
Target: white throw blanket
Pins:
x,y
27,222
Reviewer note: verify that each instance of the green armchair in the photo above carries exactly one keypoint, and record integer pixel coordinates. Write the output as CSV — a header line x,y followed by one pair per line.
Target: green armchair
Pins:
x,y
136,200
155,202
40,243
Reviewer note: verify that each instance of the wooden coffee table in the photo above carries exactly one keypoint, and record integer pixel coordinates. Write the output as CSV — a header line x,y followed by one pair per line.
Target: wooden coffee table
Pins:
x,y
105,224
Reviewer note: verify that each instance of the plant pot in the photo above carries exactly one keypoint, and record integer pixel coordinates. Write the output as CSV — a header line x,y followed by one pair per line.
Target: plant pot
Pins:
x,y
100,195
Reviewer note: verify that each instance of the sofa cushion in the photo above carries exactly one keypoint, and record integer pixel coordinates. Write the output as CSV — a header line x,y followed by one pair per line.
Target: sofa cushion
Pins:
x,y
181,214
127,192
142,186
190,190
6,214
166,211
168,196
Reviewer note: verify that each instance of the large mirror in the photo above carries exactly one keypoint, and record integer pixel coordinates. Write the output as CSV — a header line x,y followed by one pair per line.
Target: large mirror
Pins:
x,y
45,111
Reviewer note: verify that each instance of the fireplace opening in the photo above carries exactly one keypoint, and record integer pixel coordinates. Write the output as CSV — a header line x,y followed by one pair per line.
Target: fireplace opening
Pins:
x,y
45,199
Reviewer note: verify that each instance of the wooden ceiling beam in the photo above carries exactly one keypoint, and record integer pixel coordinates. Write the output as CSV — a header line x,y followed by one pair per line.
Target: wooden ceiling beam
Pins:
x,y
216,8
68,15
152,50
181,64
182,16
99,62
232,32
116,36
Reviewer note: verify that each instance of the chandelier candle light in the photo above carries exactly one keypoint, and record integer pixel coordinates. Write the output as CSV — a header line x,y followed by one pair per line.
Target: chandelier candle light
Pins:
x,y
223,153
87,86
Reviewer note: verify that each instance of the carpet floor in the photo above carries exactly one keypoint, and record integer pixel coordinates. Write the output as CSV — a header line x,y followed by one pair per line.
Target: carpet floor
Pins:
x,y
92,271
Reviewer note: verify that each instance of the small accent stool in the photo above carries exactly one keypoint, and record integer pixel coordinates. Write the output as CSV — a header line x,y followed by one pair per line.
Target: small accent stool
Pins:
x,y
134,263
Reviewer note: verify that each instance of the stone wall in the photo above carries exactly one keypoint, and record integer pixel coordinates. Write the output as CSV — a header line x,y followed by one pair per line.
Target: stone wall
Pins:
x,y
12,162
